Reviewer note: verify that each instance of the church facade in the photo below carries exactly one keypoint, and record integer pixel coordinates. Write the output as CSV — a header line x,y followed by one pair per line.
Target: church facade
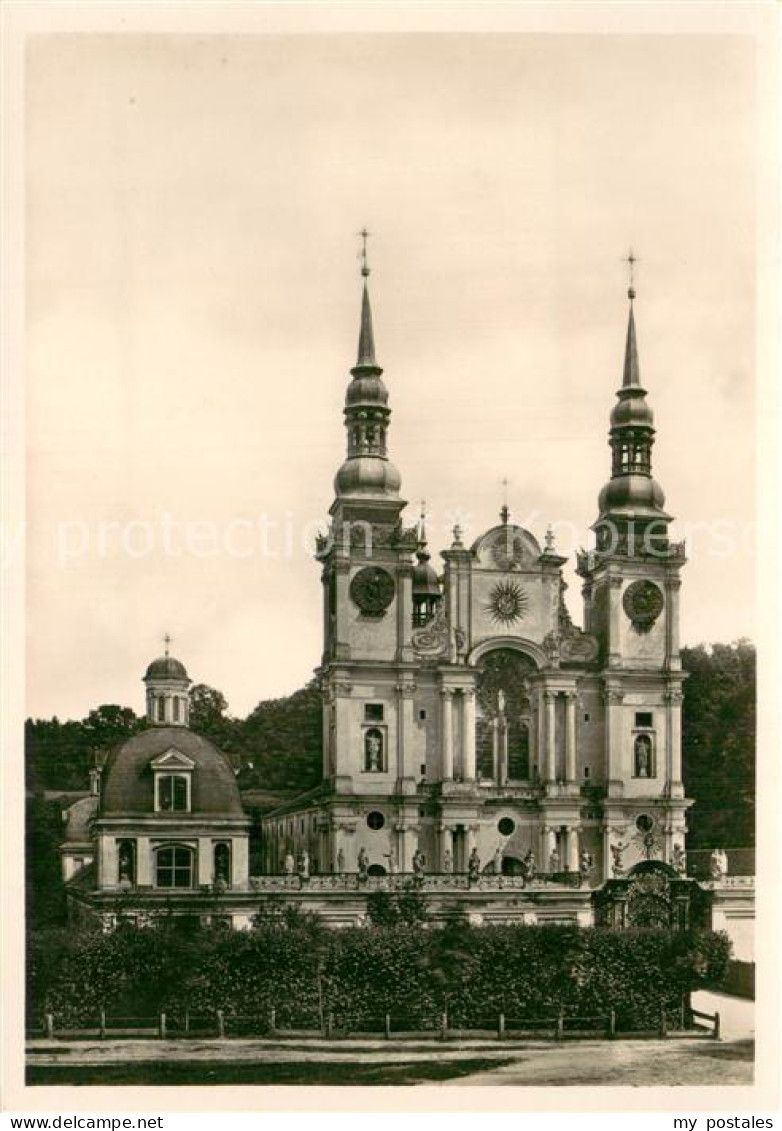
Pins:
x,y
478,747
468,724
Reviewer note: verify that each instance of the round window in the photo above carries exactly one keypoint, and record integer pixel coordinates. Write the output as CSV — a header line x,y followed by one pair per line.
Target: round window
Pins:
x,y
644,823
506,826
376,820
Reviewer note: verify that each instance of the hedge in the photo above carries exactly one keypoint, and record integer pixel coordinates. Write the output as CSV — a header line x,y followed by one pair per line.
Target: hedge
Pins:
x,y
303,971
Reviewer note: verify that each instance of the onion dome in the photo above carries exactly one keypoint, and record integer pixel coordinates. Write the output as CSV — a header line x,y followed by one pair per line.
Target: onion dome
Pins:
x,y
631,493
367,471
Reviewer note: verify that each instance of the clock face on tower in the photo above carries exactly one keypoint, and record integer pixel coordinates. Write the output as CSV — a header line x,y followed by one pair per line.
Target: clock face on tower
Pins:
x,y
372,589
643,602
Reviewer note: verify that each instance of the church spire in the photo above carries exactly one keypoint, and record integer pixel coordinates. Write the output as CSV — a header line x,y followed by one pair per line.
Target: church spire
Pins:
x,y
366,338
631,496
367,471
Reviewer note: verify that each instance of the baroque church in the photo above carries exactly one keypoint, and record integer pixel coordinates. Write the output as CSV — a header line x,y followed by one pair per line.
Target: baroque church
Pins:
x,y
477,744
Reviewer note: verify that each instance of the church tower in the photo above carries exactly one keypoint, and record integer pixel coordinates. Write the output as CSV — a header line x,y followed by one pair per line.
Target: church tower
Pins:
x,y
631,605
367,665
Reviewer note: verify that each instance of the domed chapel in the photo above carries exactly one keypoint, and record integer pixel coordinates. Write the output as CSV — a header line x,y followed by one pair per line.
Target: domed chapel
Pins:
x,y
476,742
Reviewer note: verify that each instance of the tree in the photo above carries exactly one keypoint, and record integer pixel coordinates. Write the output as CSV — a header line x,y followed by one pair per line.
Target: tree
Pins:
x,y
718,743
207,708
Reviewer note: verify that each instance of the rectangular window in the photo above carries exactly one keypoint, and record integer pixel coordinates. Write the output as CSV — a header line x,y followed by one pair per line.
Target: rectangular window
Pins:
x,y
373,712
423,769
176,708
586,717
172,794
586,771
644,718
174,867
422,715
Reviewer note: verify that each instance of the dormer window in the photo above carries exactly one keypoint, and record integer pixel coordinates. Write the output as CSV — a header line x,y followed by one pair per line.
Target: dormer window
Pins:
x,y
173,793
173,773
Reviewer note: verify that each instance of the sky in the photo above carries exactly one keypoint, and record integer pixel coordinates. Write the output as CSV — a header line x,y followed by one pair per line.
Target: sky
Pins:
x,y
192,304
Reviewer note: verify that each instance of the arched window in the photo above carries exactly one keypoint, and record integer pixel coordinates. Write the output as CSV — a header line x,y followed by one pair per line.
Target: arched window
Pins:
x,y
222,862
176,708
374,751
174,867
161,709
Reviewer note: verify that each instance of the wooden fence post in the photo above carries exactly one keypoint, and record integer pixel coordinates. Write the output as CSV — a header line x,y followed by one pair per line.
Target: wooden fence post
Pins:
x,y
272,1021
162,1026
500,1026
388,1026
220,1023
329,1024
663,1022
102,1023
716,1033
49,1018
444,1025
612,1023
187,1020
560,1032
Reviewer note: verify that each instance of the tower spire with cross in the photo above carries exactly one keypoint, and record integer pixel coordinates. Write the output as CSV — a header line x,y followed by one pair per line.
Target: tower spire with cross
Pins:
x,y
504,509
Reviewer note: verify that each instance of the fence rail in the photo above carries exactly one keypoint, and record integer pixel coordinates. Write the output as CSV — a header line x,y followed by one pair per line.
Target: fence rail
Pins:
x,y
561,1026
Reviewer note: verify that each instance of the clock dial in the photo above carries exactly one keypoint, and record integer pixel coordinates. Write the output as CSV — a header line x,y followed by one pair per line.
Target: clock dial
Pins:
x,y
372,589
643,602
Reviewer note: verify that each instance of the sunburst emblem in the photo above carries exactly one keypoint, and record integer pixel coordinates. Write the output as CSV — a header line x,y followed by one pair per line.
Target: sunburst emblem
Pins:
x,y
507,602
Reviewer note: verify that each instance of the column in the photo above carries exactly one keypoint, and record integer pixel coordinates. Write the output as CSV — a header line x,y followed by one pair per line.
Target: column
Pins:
x,y
108,863
340,754
405,613
341,599
401,840
446,846
446,734
571,851
205,869
672,587
551,846
613,698
495,752
144,862
673,699
404,730
614,620
551,747
468,734
240,863
570,737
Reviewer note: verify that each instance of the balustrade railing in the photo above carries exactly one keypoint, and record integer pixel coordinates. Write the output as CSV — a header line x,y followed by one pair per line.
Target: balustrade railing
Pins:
x,y
404,881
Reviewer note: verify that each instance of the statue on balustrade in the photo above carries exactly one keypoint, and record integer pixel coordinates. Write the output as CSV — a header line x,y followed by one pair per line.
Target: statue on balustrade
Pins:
x,y
419,863
586,863
497,861
363,864
554,861
304,864
679,861
289,864
341,861
718,864
474,866
530,865
447,861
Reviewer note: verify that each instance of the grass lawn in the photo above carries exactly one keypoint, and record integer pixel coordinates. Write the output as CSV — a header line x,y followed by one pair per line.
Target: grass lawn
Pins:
x,y
314,1073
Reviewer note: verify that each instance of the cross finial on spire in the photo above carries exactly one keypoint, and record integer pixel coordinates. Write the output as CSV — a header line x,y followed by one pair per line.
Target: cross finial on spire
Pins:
x,y
364,234
167,641
631,260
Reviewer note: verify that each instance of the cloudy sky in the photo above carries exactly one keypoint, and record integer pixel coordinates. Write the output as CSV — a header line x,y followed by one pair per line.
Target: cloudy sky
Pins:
x,y
192,315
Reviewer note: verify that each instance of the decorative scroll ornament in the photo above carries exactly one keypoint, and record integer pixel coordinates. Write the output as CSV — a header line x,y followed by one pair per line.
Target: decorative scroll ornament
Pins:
x,y
435,640
507,603
643,602
372,589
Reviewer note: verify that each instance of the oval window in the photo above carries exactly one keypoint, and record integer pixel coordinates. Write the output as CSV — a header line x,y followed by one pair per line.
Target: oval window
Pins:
x,y
376,820
644,823
506,826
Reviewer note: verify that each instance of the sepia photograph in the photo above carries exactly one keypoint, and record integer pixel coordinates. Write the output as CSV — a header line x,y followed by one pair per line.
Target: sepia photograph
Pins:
x,y
390,555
